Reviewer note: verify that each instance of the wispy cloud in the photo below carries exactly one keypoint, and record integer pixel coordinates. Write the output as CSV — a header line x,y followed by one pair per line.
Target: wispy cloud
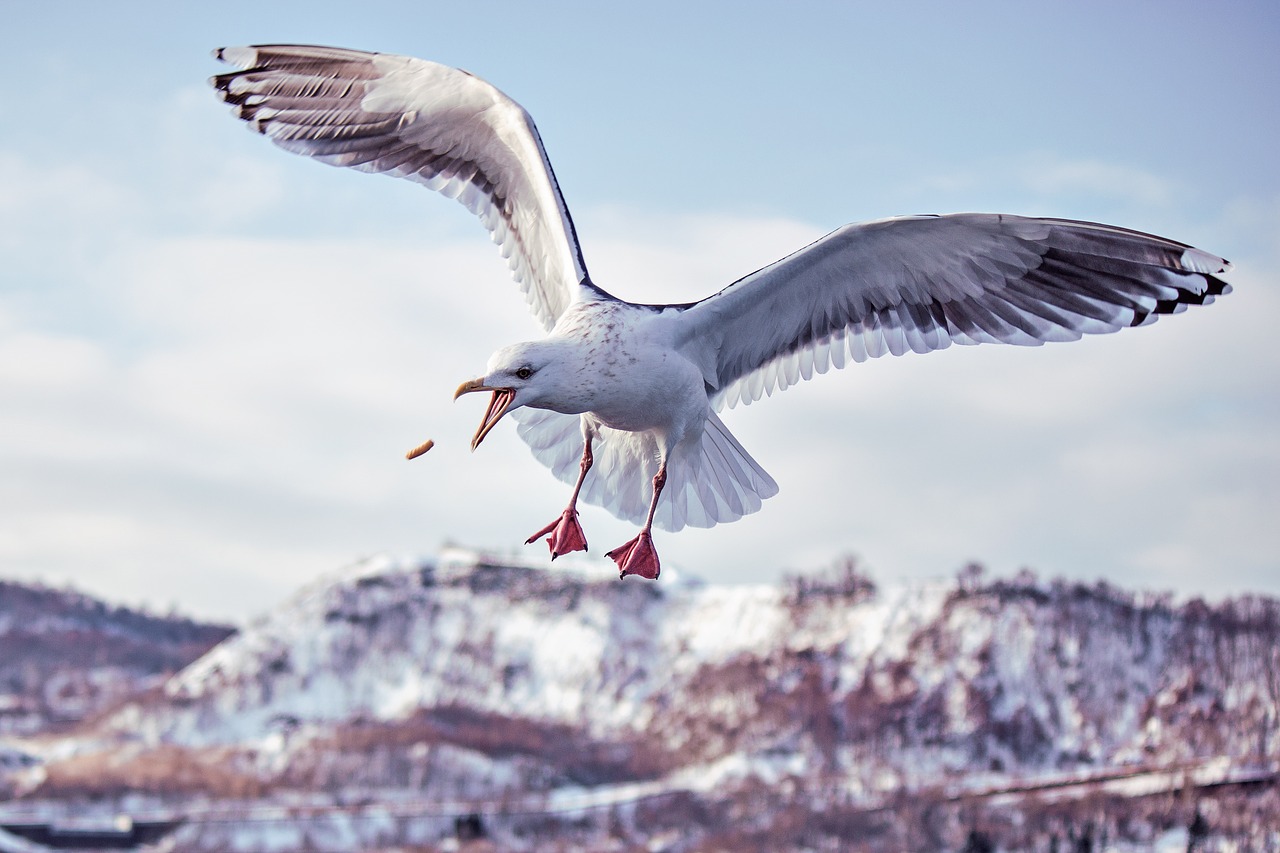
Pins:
x,y
234,418
1051,175
213,355
1029,181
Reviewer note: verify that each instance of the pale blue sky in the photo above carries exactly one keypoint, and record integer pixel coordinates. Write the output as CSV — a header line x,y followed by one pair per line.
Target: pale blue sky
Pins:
x,y
212,353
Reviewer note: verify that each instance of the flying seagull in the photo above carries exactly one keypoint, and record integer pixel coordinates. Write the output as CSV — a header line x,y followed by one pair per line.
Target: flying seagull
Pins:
x,y
630,392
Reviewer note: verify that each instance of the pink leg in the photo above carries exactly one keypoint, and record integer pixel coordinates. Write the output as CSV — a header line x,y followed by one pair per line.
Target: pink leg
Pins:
x,y
566,534
639,557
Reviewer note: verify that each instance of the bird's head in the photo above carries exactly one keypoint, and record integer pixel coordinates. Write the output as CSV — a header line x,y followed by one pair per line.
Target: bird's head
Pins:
x,y
519,375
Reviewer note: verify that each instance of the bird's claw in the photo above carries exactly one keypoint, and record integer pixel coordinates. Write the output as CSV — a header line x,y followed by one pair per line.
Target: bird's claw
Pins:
x,y
566,535
637,557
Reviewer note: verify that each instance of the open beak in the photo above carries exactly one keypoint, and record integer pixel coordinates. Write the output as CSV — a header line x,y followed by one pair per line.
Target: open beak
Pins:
x,y
499,403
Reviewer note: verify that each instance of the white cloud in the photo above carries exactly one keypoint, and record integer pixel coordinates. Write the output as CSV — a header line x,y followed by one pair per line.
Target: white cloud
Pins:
x,y
1049,183
35,363
228,416
1050,175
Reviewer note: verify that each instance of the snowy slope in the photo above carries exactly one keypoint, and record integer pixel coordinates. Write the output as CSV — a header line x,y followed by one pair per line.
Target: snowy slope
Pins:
x,y
1012,676
465,683
65,656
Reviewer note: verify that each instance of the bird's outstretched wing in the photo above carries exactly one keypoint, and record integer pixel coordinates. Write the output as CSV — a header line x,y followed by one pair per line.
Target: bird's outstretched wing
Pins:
x,y
444,128
916,284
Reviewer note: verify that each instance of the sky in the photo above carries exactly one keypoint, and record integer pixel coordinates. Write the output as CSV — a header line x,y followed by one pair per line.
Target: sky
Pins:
x,y
214,354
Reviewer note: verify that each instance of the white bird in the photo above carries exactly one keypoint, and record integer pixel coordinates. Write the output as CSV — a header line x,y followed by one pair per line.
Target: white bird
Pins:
x,y
630,392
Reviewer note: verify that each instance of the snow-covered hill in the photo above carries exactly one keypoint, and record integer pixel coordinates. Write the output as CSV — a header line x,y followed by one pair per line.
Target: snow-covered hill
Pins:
x,y
65,656
467,684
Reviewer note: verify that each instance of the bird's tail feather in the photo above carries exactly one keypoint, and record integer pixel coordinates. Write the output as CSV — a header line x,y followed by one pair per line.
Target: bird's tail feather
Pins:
x,y
712,483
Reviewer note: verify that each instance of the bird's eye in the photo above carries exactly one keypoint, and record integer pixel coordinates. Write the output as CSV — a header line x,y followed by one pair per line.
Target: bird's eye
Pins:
x,y
524,372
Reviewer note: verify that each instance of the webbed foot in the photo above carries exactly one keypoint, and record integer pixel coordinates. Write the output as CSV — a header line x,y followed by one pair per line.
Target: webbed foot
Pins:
x,y
566,535
637,557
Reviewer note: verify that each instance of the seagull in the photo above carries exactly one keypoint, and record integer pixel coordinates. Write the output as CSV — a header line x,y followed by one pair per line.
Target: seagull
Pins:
x,y
632,392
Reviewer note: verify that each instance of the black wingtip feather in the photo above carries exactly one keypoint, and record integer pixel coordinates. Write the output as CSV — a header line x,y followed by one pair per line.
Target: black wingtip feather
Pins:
x,y
1214,286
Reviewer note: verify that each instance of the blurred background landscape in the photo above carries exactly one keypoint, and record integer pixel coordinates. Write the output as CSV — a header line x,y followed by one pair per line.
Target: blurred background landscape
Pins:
x,y
462,702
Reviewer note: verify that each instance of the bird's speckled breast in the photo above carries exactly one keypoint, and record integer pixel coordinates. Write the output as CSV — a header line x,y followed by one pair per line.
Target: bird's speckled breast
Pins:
x,y
635,378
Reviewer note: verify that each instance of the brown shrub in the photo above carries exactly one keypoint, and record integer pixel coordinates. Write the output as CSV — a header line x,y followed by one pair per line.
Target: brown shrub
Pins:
x,y
160,770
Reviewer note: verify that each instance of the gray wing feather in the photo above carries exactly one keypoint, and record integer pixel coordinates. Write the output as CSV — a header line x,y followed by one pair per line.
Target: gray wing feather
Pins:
x,y
441,127
917,284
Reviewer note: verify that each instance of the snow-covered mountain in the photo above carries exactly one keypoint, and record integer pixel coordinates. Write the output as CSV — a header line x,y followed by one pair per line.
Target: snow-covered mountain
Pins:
x,y
565,705
65,656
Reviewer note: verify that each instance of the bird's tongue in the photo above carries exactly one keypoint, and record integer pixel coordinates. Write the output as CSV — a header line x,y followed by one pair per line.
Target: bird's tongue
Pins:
x,y
498,404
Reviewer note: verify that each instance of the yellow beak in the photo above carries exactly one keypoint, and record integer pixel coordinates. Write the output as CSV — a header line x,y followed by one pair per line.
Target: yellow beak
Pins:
x,y
499,403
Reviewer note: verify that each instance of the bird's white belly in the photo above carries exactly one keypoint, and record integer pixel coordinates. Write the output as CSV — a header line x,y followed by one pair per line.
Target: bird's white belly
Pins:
x,y
650,391
630,376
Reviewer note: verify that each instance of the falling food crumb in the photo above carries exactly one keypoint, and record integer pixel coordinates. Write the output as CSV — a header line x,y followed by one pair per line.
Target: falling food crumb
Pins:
x,y
420,449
